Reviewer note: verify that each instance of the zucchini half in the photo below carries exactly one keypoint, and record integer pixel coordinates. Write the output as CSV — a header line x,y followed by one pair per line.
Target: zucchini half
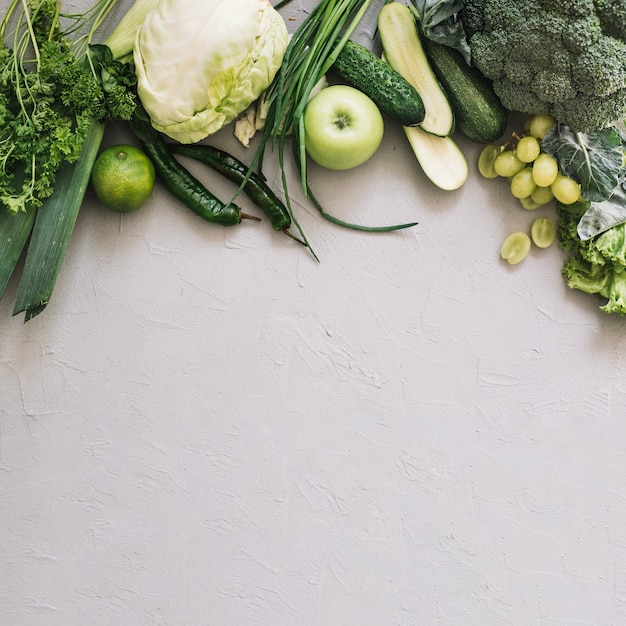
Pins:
x,y
440,157
478,112
403,50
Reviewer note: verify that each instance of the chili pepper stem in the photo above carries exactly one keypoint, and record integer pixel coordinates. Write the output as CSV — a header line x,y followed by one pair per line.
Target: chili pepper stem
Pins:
x,y
246,216
292,236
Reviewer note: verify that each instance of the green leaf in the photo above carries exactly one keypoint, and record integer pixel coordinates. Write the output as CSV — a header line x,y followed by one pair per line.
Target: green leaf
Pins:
x,y
15,228
440,22
593,159
601,216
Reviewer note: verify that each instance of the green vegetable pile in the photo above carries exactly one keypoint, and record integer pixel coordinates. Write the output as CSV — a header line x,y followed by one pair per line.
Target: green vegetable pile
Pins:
x,y
594,228
563,60
566,58
58,90
52,88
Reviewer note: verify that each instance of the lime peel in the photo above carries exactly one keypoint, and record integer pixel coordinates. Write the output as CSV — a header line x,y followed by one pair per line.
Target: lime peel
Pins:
x,y
123,178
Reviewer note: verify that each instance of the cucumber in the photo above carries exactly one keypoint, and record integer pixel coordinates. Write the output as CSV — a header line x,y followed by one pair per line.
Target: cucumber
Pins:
x,y
391,92
478,112
404,52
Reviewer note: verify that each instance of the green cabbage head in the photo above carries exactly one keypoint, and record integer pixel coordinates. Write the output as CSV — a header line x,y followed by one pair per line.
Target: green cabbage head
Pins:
x,y
200,63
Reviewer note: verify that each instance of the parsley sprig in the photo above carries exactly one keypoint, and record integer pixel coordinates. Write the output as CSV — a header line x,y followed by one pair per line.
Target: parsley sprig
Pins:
x,y
53,84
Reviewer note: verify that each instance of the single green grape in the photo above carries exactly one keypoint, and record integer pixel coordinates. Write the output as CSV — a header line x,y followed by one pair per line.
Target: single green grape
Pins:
x,y
507,164
486,160
522,184
542,232
515,247
542,195
529,204
528,149
540,125
545,170
565,189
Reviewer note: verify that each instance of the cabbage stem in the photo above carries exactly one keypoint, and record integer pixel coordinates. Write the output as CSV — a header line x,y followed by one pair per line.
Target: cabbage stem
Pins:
x,y
122,40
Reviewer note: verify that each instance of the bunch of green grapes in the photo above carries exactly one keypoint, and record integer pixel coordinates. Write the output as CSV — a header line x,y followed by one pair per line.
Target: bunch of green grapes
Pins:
x,y
534,179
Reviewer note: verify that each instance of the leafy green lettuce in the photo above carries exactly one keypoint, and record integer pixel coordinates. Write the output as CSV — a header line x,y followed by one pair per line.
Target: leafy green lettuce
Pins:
x,y
598,264
594,228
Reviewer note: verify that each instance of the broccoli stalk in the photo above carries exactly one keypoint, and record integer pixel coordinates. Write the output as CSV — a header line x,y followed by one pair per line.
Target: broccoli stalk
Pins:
x,y
566,58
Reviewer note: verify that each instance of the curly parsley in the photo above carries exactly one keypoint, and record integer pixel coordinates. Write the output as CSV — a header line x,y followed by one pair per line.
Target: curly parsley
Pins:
x,y
53,85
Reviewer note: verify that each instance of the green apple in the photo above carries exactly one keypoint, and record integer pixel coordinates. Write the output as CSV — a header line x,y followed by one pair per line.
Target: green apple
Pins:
x,y
342,127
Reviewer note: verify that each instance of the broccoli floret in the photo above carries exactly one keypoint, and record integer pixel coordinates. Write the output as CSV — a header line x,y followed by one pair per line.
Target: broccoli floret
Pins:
x,y
563,57
552,88
515,98
497,15
490,50
473,18
599,70
568,8
587,111
579,36
516,71
612,16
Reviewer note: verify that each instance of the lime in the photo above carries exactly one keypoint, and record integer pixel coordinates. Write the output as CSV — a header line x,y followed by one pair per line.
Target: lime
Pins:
x,y
123,178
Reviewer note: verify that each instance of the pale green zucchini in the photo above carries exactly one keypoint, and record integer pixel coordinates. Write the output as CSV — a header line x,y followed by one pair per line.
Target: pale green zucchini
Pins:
x,y
440,157
478,112
403,50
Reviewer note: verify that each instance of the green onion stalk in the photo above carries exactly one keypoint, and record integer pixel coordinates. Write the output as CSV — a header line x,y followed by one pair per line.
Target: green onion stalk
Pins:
x,y
312,51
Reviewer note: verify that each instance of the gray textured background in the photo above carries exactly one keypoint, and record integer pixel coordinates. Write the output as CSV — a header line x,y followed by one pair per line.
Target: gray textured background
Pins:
x,y
206,427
